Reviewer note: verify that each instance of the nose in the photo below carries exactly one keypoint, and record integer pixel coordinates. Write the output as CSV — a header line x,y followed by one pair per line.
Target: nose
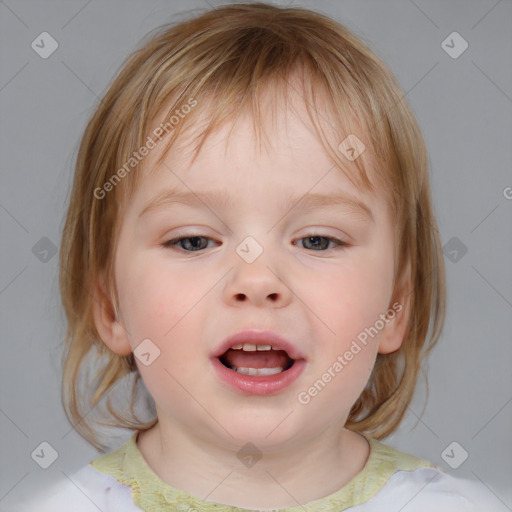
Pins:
x,y
257,284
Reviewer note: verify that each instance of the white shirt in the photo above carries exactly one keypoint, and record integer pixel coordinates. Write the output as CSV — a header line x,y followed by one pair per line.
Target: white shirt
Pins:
x,y
391,481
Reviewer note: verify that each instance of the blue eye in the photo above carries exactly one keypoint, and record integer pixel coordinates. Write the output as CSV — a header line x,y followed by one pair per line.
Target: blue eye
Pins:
x,y
188,243
321,243
315,243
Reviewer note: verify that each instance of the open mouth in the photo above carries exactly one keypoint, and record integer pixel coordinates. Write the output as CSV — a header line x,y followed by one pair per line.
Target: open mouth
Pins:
x,y
256,360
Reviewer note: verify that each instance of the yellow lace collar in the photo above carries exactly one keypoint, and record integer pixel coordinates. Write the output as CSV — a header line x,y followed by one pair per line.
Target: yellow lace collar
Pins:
x,y
149,493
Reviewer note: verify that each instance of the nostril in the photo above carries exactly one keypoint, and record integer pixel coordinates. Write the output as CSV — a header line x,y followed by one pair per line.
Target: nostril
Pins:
x,y
241,297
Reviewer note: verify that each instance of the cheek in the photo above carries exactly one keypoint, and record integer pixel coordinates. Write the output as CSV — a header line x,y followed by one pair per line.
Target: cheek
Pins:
x,y
158,304
154,297
353,297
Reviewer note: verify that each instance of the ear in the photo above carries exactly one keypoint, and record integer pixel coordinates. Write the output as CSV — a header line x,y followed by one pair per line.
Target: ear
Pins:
x,y
398,314
110,328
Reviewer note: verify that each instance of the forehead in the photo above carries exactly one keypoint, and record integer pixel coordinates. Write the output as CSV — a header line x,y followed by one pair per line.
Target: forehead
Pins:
x,y
283,127
290,168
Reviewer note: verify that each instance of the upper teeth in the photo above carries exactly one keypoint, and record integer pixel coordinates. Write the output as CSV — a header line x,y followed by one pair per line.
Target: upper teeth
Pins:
x,y
249,347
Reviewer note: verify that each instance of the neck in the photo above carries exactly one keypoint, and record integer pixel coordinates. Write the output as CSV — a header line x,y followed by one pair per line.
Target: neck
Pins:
x,y
292,475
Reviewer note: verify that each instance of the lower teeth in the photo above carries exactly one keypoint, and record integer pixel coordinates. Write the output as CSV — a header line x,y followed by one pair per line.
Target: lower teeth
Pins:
x,y
258,371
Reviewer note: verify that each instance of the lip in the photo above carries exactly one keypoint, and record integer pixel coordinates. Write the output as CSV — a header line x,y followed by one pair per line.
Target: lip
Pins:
x,y
259,384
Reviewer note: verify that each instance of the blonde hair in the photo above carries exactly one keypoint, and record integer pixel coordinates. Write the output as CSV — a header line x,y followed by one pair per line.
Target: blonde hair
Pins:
x,y
223,59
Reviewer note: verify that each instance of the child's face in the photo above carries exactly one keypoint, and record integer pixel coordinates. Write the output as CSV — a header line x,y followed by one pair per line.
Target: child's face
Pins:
x,y
314,293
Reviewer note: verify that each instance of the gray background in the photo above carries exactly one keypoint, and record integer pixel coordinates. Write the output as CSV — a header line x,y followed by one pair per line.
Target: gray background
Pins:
x,y
464,107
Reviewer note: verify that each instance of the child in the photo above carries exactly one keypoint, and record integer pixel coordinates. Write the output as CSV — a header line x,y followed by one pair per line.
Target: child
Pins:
x,y
251,233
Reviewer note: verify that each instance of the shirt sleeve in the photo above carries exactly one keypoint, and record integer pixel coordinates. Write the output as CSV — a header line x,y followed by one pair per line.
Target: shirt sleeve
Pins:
x,y
86,490
432,490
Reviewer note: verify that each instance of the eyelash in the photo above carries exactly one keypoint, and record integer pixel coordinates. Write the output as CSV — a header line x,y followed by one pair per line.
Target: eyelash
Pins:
x,y
170,244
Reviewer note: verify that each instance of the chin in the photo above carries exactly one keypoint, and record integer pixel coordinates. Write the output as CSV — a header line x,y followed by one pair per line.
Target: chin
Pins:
x,y
265,428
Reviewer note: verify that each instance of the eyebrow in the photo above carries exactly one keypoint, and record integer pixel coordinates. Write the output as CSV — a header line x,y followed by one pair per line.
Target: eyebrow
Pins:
x,y
219,199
